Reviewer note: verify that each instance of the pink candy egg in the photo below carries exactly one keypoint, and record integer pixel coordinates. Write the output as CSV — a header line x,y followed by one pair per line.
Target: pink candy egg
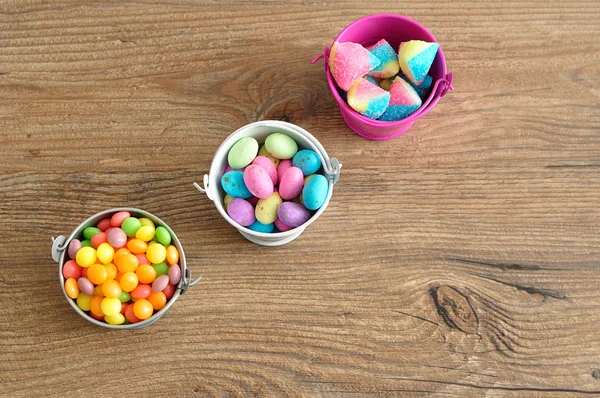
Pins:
x,y
291,183
116,237
281,226
174,274
74,246
160,283
268,166
283,166
258,181
86,286
241,211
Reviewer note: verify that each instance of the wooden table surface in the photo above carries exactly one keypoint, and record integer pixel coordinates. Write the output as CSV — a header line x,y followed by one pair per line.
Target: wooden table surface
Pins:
x,y
460,259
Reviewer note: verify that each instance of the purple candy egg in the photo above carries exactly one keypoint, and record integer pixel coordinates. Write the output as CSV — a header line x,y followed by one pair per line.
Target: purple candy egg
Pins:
x,y
74,247
116,237
174,274
293,214
86,286
241,211
160,283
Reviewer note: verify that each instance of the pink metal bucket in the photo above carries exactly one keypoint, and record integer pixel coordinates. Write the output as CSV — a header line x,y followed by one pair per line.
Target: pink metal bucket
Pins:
x,y
395,29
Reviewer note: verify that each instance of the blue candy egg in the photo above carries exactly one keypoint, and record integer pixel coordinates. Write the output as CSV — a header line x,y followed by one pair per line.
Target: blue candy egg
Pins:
x,y
314,192
308,161
260,227
233,184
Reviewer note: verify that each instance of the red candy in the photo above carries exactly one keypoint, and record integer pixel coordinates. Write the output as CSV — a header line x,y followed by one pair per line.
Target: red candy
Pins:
x,y
98,239
141,291
104,225
71,270
169,291
117,219
130,316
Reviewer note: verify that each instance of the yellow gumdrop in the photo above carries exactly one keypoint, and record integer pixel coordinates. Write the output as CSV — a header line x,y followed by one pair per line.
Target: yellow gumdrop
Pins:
x,y
105,253
86,256
83,301
156,253
145,233
116,319
147,221
172,255
110,306
266,209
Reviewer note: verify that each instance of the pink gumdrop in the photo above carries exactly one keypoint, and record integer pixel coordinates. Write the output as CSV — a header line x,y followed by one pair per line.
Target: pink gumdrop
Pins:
x,y
258,181
74,247
281,226
86,286
98,239
117,219
291,183
117,238
268,166
174,274
104,225
348,62
283,166
160,283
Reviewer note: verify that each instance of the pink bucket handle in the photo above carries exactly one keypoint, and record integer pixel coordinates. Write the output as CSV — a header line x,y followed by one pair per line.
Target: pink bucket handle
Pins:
x,y
325,57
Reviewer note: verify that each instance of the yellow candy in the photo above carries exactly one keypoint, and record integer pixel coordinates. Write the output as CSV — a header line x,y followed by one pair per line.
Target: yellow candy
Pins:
x,y
266,209
83,301
145,233
156,253
147,221
86,256
110,306
172,255
111,288
116,319
226,200
105,253
111,271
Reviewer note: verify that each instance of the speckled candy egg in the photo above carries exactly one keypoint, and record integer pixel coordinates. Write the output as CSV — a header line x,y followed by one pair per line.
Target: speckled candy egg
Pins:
x,y
242,153
314,192
260,227
291,183
281,146
269,167
258,182
308,161
241,211
233,184
293,214
266,209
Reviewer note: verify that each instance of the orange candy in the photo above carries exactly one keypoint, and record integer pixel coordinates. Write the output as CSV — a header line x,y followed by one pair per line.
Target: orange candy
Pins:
x,y
111,271
72,288
95,306
119,253
145,273
127,263
143,309
111,288
158,300
137,246
129,281
172,255
98,291
97,274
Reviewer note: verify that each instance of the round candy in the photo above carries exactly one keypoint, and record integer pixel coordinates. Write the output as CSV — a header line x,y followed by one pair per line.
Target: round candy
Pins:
x,y
141,292
86,243
95,306
111,288
130,316
147,222
266,209
281,226
291,183
116,319
172,255
158,300
281,146
258,181
315,192
117,219
74,246
85,286
163,236
116,237
283,166
129,281
110,306
143,309
260,227
156,253
241,211
105,252
234,185
97,274
160,283
83,301
137,246
90,231
263,152
127,263
242,153
120,253
145,273
104,225
267,166
161,268
145,233
98,239
111,271
174,274
72,288
293,214
130,226
71,270
308,161
169,291
142,259
124,297
86,256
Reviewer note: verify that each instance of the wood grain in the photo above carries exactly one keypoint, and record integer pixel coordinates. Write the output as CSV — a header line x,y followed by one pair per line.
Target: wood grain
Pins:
x,y
458,260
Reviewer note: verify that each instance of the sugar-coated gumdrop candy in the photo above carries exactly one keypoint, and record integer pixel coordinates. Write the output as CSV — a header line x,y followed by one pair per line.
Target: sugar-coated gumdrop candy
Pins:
x,y
242,153
241,211
348,62
422,88
368,99
404,101
415,58
389,60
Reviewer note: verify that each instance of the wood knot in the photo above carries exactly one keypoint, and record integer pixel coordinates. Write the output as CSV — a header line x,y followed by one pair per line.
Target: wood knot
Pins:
x,y
596,374
455,309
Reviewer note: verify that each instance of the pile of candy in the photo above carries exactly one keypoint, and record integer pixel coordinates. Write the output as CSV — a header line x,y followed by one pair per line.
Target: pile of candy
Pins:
x,y
275,188
380,83
124,270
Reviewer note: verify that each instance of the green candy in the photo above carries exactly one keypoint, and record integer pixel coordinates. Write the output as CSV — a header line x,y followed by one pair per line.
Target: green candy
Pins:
x,y
90,231
86,243
130,226
161,269
242,153
281,146
163,236
124,297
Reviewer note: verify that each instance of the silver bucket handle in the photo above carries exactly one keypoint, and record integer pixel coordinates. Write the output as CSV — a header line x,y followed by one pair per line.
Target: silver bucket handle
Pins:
x,y
206,189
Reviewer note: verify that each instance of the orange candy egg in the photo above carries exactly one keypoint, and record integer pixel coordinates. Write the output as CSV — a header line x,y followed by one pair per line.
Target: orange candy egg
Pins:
x,y
143,309
158,300
145,273
127,263
137,246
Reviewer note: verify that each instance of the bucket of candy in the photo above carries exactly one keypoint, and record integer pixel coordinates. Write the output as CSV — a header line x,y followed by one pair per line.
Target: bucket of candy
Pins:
x,y
271,180
385,71
122,268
